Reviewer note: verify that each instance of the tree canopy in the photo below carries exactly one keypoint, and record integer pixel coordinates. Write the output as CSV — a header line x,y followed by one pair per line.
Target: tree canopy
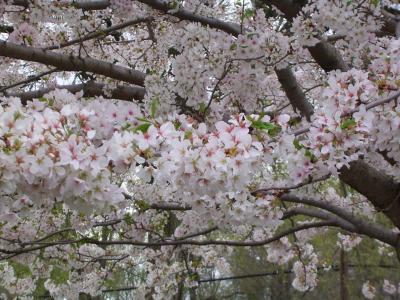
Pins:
x,y
148,142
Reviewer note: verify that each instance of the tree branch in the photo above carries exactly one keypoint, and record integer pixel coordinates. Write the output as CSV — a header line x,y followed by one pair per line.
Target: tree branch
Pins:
x,y
369,106
80,4
43,245
375,231
184,14
100,33
123,289
29,79
289,271
90,89
294,92
379,188
296,186
320,214
72,63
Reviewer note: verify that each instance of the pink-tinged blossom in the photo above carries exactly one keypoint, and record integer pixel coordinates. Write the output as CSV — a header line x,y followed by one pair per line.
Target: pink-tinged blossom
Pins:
x,y
96,158
388,287
40,163
147,139
25,34
71,152
368,290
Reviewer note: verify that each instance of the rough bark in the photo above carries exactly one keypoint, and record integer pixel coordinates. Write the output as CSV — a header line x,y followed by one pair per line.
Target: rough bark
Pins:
x,y
90,89
72,63
328,57
344,294
294,92
290,8
360,225
379,188
183,14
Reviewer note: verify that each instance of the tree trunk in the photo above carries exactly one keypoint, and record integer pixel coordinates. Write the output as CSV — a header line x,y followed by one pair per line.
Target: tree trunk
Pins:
x,y
344,295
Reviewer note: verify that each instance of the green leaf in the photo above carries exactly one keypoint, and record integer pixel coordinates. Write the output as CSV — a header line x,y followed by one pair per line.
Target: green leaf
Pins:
x,y
29,39
271,128
17,115
251,34
20,270
311,156
297,144
142,119
153,107
40,289
59,276
177,124
274,131
257,124
128,218
143,127
188,134
374,2
348,124
194,277
248,13
126,126
202,108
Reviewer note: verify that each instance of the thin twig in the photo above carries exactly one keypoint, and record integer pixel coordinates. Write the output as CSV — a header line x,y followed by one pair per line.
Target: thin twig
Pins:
x,y
29,79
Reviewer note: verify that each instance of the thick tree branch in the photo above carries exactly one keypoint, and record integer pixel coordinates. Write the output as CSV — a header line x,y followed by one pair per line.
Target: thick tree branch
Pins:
x,y
294,92
375,231
72,63
184,14
6,28
379,188
320,214
173,207
290,8
328,57
91,4
80,4
90,89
